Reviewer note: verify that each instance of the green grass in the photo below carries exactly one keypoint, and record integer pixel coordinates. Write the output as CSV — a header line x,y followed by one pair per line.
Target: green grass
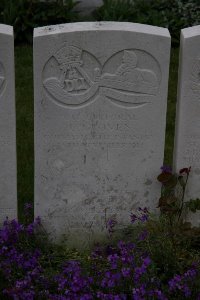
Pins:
x,y
171,107
24,111
24,96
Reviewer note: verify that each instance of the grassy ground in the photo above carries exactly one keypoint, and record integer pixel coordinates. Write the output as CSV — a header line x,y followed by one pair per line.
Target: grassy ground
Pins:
x,y
24,95
171,107
24,107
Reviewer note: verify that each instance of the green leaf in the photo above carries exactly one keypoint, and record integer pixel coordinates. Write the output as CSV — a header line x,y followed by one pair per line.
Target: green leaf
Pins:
x,y
162,201
193,205
167,201
181,181
172,182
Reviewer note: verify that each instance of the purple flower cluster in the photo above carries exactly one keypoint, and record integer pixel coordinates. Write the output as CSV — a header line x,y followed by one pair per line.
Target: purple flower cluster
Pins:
x,y
120,272
19,266
110,224
141,215
72,283
124,272
166,169
183,284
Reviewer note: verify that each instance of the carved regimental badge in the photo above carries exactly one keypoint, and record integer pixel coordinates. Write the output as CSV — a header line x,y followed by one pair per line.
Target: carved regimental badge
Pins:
x,y
74,77
195,79
2,78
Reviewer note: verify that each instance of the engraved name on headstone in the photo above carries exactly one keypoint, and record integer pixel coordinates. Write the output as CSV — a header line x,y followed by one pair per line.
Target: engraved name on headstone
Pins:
x,y
187,138
100,108
8,182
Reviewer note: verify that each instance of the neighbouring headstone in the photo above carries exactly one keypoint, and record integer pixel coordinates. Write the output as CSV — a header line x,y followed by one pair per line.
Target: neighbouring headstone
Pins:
x,y
8,179
187,138
100,109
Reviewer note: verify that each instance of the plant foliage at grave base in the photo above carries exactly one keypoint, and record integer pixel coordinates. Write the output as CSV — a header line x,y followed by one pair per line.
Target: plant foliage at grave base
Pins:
x,y
149,259
146,264
24,15
172,14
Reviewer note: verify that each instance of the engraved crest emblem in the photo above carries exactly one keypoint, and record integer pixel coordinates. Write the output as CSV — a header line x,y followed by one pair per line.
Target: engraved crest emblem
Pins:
x,y
2,78
73,76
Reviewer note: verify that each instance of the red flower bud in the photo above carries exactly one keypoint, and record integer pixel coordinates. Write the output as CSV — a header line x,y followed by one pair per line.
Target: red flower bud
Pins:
x,y
185,170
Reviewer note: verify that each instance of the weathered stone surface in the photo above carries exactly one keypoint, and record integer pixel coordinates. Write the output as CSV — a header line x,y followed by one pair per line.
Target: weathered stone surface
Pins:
x,y
100,108
187,139
8,183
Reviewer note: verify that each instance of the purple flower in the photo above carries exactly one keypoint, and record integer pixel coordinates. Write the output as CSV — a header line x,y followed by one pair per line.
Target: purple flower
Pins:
x,y
186,291
166,169
134,218
110,279
146,261
139,293
190,274
113,260
126,272
110,296
30,229
143,235
139,271
111,223
141,215
156,294
110,270
181,283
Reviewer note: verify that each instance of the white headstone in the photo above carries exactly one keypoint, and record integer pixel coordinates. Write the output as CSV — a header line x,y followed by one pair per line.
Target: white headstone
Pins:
x,y
8,182
187,140
100,108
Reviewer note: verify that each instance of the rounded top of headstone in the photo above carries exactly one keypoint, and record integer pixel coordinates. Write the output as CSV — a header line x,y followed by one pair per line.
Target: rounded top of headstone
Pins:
x,y
190,31
6,29
95,26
